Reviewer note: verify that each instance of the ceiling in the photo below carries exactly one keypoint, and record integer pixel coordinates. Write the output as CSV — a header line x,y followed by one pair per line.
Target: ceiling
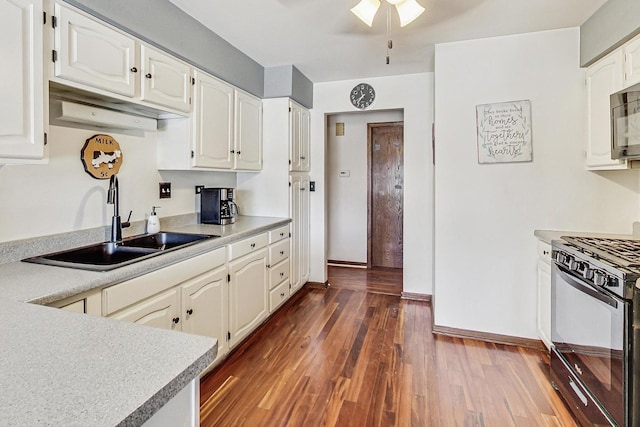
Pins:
x,y
326,42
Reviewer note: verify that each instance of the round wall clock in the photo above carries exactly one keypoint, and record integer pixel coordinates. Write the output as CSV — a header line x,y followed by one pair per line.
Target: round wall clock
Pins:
x,y
362,95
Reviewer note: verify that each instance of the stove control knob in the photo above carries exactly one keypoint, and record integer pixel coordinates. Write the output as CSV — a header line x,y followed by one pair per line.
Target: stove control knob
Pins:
x,y
599,277
559,257
587,273
612,282
570,262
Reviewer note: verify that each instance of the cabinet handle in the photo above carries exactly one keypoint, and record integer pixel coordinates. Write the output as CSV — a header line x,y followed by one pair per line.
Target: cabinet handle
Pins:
x,y
281,252
233,151
282,274
176,320
302,157
282,294
545,252
281,234
148,75
134,70
190,311
253,245
268,265
302,189
238,152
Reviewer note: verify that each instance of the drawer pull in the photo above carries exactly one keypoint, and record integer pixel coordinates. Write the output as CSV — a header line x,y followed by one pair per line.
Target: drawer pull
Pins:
x,y
281,234
190,311
176,320
134,70
282,274
282,294
281,252
268,265
148,75
545,252
253,245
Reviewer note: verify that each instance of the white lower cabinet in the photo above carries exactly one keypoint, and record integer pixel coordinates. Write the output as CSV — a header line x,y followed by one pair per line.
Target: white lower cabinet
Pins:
x,y
248,305
181,297
205,307
543,321
161,311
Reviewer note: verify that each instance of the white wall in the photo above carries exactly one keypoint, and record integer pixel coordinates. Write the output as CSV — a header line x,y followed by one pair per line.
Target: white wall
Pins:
x,y
414,95
347,196
38,200
485,215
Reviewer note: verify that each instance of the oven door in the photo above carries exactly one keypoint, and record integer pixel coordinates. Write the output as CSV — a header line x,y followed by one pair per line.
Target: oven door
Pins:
x,y
588,334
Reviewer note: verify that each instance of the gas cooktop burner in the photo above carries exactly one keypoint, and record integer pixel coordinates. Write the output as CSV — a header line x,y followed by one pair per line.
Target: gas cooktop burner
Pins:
x,y
625,252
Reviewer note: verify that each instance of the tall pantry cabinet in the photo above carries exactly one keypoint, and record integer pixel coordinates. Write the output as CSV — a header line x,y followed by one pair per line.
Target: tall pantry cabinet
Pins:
x,y
282,188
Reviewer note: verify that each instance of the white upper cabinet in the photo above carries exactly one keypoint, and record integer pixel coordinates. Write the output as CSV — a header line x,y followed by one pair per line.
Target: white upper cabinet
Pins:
x,y
248,135
93,54
299,137
632,62
22,118
226,130
165,81
603,78
212,123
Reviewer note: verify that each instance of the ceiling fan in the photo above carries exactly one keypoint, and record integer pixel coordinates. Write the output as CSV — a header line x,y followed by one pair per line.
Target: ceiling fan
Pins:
x,y
408,10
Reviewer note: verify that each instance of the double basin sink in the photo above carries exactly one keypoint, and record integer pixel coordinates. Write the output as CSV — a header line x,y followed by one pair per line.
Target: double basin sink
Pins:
x,y
109,255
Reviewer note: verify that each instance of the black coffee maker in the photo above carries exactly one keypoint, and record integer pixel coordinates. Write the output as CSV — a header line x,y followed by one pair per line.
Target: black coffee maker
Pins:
x,y
217,206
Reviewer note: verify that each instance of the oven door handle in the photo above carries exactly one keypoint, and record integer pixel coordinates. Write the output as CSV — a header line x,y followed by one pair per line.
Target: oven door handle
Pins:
x,y
586,288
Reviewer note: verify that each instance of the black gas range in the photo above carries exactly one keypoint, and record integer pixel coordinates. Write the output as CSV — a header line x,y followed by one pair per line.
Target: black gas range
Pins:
x,y
595,321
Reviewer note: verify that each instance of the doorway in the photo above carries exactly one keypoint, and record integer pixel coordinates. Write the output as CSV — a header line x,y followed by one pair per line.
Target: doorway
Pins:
x,y
385,194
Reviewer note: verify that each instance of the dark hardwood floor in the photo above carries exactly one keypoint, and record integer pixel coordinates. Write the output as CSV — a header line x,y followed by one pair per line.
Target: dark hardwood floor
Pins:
x,y
377,280
347,357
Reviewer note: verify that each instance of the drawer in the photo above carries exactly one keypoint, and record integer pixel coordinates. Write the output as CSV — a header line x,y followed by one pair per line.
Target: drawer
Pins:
x,y
278,296
279,233
278,273
126,293
544,251
246,246
279,251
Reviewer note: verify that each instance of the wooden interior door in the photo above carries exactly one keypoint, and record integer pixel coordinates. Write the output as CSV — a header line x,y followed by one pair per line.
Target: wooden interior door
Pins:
x,y
386,183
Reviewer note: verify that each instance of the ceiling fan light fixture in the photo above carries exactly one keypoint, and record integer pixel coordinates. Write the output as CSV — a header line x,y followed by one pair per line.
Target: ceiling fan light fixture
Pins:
x,y
408,10
366,10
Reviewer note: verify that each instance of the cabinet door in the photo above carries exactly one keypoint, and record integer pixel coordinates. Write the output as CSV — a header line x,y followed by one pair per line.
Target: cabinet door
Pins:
x,y
161,311
248,298
544,302
213,123
94,54
304,231
248,135
295,198
632,62
205,307
305,138
295,123
165,81
22,107
603,79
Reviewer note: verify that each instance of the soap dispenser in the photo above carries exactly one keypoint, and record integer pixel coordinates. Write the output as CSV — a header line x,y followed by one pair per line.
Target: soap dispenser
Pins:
x,y
153,223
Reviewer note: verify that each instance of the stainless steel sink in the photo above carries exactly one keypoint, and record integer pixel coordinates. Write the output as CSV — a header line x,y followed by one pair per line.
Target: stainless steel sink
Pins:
x,y
108,256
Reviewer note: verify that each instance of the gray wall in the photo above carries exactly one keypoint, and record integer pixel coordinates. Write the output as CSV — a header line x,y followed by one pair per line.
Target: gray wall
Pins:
x,y
612,25
288,81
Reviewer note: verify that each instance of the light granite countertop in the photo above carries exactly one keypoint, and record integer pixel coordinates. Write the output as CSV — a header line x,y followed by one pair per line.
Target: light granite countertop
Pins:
x,y
549,235
61,368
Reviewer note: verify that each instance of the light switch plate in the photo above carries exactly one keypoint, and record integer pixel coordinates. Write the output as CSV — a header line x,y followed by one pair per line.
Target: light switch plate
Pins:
x,y
165,190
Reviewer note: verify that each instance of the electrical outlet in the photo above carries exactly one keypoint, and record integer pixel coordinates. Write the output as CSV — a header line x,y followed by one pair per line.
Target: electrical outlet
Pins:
x,y
165,190
199,189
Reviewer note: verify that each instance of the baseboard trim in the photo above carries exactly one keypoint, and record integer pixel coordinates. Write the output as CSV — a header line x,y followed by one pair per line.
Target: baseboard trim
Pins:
x,y
489,337
352,264
415,297
317,285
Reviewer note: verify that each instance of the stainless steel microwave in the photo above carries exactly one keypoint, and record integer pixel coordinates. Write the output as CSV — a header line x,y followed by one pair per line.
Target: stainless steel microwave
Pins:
x,y
625,123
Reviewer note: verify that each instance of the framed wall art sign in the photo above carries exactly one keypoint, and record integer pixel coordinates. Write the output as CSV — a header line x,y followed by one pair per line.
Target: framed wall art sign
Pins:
x,y
504,132
101,156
